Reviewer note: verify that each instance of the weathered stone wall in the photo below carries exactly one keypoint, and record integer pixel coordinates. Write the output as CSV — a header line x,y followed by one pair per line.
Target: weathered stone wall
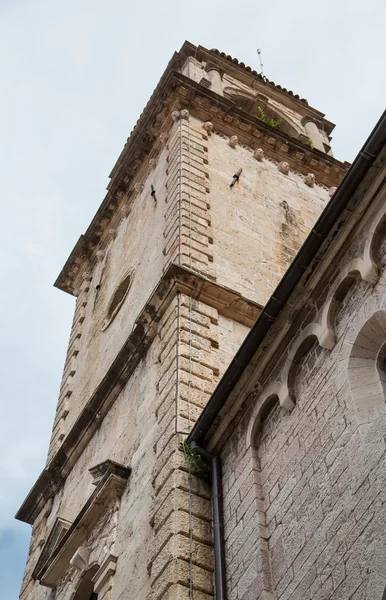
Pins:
x,y
199,224
304,491
261,222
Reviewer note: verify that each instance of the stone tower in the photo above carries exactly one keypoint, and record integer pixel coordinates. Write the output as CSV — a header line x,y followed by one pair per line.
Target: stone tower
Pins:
x,y
214,192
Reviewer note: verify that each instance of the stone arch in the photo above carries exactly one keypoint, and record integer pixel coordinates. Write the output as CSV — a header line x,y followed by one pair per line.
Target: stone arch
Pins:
x,y
367,366
376,227
353,271
298,350
262,407
250,102
85,589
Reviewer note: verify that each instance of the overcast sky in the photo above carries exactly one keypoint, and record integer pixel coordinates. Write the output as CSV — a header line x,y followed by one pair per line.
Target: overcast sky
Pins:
x,y
75,76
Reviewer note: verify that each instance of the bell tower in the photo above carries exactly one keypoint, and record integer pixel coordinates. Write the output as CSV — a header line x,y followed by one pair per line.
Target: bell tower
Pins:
x,y
214,192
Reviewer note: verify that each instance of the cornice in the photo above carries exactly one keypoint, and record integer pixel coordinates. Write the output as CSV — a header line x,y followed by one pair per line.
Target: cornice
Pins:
x,y
178,91
176,279
109,488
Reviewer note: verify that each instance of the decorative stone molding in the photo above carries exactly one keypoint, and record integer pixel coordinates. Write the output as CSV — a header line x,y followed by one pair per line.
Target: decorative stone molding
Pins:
x,y
284,167
112,234
153,163
164,137
208,126
233,141
309,180
332,191
100,254
258,154
103,578
176,279
328,171
367,272
125,210
108,491
138,187
369,244
80,558
87,276
184,114
176,115
366,367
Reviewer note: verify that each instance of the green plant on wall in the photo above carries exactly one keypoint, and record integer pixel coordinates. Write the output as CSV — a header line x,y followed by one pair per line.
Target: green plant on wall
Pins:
x,y
263,117
197,464
309,143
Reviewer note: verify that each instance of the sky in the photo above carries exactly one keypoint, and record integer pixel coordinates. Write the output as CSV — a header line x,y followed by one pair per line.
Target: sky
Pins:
x,y
75,77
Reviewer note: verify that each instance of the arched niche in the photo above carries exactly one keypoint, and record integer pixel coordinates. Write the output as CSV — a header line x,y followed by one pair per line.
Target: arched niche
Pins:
x,y
367,366
85,589
378,243
375,240
301,352
256,105
348,276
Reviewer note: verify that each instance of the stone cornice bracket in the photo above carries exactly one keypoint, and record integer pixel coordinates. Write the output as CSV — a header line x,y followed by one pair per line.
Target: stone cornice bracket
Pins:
x,y
112,234
164,137
80,558
178,115
111,484
100,254
138,187
125,210
258,154
87,276
309,180
283,167
332,191
208,126
152,163
233,141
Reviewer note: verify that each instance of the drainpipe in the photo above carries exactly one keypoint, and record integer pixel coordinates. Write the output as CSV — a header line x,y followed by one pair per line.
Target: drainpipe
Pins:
x,y
218,523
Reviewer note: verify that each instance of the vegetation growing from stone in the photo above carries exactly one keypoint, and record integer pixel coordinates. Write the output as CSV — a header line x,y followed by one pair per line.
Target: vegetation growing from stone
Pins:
x,y
198,466
263,117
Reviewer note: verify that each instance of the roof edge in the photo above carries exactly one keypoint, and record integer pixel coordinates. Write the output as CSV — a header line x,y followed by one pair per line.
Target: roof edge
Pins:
x,y
288,283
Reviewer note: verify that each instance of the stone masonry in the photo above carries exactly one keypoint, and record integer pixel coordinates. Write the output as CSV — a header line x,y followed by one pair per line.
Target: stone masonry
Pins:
x,y
304,485
171,274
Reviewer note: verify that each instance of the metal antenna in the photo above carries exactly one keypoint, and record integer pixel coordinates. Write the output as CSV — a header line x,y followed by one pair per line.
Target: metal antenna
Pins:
x,y
261,64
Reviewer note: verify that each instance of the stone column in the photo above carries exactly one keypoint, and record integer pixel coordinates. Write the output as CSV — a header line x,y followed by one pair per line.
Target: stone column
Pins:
x,y
314,134
216,79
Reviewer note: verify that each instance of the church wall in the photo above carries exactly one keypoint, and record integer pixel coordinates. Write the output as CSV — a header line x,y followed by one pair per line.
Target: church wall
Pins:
x,y
144,430
261,222
304,491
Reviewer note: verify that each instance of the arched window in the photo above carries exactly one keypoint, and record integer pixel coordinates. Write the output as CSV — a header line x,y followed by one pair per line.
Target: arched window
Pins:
x,y
85,589
367,366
